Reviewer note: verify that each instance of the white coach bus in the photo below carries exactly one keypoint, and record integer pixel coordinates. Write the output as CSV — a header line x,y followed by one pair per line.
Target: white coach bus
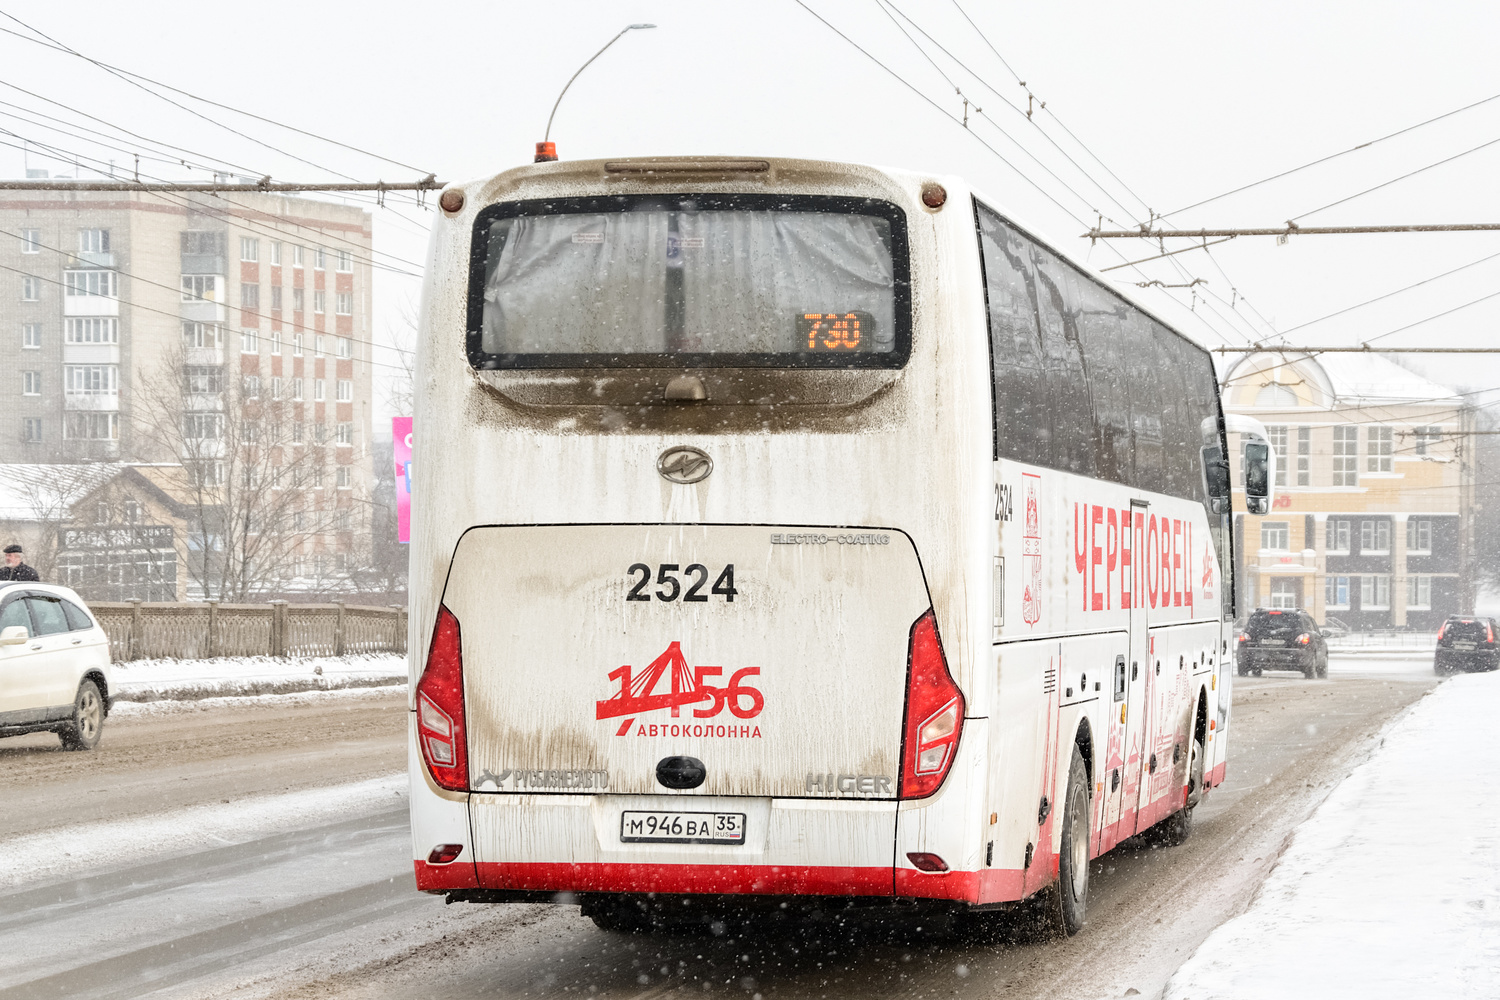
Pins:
x,y
788,528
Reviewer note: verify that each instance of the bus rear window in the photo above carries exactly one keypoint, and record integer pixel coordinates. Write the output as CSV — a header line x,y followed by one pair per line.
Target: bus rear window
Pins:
x,y
701,281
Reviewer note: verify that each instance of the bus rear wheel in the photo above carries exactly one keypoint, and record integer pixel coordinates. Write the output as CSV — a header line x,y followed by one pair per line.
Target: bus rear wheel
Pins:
x,y
1067,899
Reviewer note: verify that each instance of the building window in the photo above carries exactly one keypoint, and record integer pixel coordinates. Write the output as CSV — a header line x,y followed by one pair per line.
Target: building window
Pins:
x,y
1346,456
319,298
91,427
273,252
249,296
275,386
31,335
250,434
201,426
1276,434
250,386
202,336
297,397
1336,536
296,256
346,391
318,344
297,344
200,379
345,433
249,341
1276,395
249,248
276,298
297,300
91,330
1418,537
346,347
318,390
200,288
203,243
1418,593
297,439
1283,593
320,432
31,429
343,521
1374,537
1304,456
93,241
1378,448
1275,535
31,383
1336,592
341,562
320,258
1427,438
31,241
91,380
275,341
344,479
344,303
31,288
346,260
93,282
1374,593
132,512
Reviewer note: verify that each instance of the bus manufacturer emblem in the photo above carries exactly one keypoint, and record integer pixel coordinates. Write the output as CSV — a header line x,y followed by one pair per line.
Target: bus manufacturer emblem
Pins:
x,y
684,465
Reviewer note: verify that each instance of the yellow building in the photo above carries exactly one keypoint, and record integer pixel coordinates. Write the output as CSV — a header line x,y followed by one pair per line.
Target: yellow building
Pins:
x,y
1372,523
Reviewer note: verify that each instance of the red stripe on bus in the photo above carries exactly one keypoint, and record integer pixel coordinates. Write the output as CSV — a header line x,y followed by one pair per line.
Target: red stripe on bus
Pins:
x,y
811,880
1216,776
458,875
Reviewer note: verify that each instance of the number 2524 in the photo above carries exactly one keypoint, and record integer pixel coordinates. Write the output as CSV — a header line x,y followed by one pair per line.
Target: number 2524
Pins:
x,y
670,588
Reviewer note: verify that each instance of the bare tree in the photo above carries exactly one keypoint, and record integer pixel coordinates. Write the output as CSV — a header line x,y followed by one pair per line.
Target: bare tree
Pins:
x,y
50,494
258,471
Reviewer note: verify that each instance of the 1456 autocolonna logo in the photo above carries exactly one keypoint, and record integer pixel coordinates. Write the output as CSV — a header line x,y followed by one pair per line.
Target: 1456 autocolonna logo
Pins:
x,y
638,694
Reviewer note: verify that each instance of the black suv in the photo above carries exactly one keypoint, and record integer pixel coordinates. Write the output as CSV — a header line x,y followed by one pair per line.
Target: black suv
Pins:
x,y
1281,640
1466,643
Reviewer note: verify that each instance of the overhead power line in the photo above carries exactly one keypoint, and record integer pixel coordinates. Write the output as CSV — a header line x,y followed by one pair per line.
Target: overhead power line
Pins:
x,y
428,183
1289,230
1356,349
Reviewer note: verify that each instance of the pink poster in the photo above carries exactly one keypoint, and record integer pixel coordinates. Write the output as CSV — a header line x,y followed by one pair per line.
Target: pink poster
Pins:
x,y
401,433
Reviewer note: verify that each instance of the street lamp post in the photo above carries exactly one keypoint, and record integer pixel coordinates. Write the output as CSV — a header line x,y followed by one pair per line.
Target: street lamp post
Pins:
x,y
547,151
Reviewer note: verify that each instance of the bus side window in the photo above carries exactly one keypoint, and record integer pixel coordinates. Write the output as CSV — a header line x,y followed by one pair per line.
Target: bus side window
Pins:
x,y
1023,421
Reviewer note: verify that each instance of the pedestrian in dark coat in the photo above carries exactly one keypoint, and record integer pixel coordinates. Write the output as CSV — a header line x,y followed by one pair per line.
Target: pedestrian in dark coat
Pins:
x,y
15,569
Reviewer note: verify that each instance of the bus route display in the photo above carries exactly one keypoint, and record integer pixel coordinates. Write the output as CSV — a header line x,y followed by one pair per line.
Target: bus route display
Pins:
x,y
834,332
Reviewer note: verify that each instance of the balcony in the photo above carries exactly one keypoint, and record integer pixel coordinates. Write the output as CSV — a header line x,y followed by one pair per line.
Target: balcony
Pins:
x,y
203,311
203,263
103,402
90,305
91,354
93,259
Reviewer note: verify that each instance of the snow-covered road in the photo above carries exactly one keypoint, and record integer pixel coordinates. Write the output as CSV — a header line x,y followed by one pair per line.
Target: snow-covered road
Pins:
x,y
300,884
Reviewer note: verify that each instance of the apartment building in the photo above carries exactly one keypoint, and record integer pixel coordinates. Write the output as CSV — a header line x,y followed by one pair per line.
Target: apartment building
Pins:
x,y
1372,523
160,328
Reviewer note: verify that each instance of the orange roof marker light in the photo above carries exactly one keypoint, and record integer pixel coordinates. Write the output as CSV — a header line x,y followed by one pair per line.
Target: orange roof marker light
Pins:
x,y
546,152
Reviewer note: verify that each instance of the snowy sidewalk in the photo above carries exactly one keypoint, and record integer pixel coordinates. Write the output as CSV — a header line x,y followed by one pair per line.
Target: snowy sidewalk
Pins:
x,y
176,680
1390,889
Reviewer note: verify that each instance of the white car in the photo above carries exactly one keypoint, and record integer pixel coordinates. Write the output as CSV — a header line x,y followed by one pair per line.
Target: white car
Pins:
x,y
54,665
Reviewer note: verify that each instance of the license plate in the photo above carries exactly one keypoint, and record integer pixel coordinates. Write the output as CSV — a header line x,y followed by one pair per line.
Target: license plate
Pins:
x,y
1272,642
1463,645
682,828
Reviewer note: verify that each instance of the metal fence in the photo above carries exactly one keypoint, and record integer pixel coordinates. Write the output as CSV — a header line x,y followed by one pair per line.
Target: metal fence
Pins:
x,y
149,630
1392,639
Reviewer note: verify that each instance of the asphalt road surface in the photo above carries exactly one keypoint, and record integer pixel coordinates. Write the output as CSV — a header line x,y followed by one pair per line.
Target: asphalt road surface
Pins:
x,y
277,895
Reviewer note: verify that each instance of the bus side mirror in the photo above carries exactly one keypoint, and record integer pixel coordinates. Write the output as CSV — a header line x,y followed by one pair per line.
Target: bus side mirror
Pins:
x,y
1216,478
14,635
1257,477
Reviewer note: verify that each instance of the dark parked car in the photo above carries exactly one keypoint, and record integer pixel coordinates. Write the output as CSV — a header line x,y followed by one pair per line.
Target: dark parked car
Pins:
x,y
1466,643
1274,639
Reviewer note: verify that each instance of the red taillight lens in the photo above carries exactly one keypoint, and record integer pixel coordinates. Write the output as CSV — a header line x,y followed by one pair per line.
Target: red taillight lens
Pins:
x,y
444,854
927,862
440,707
1489,632
934,713
1244,637
1304,639
1443,628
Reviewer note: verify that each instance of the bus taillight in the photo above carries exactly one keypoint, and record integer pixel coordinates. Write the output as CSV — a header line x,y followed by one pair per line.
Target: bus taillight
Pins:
x,y
440,707
934,713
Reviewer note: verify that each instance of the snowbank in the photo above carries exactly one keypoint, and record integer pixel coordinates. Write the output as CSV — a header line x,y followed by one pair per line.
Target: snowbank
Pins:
x,y
112,845
176,680
1392,888
137,709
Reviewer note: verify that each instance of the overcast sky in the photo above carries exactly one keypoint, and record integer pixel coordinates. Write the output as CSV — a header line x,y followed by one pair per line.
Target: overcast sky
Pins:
x,y
1181,101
